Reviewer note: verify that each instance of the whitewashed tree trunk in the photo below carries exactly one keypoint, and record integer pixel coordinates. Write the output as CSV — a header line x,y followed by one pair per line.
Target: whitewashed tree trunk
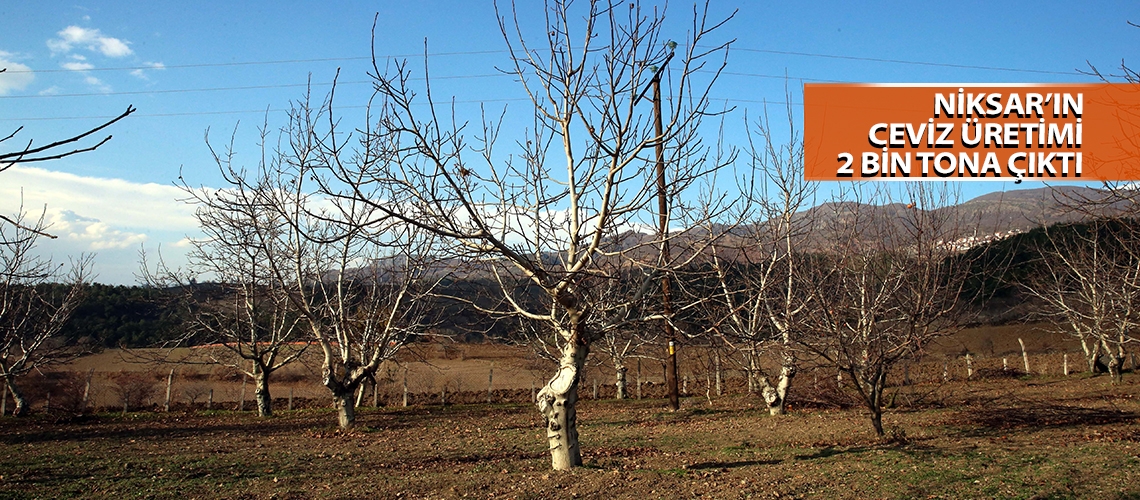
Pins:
x,y
21,408
345,409
557,402
619,380
261,393
776,396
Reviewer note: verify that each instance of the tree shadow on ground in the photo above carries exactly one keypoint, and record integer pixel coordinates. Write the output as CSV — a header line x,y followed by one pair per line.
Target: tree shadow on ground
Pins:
x,y
1006,416
730,465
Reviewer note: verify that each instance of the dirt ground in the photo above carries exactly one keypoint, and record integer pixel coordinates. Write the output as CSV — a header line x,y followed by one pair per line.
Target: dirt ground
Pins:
x,y
997,433
1001,437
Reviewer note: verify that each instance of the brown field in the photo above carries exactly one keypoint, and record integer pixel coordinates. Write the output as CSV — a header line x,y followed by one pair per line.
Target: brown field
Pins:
x,y
1000,434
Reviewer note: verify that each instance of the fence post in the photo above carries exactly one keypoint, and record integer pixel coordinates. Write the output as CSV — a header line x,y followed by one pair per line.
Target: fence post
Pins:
x,y
716,363
4,401
1065,364
169,383
290,399
241,398
86,391
945,371
1004,364
405,386
210,400
638,378
1024,355
595,389
490,381
375,394
969,366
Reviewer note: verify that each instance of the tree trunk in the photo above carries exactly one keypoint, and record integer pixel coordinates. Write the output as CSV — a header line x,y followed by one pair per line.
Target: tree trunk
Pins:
x,y
875,402
619,383
261,392
21,408
345,409
777,397
557,402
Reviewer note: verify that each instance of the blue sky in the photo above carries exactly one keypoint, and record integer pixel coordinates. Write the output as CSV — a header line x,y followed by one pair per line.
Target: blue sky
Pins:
x,y
193,66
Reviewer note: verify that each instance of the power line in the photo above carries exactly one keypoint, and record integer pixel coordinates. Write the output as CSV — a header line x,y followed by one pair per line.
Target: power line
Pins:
x,y
904,61
261,63
244,87
231,112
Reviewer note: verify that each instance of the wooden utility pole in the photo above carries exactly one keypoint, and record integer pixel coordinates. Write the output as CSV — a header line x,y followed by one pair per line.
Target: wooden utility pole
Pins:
x,y
663,231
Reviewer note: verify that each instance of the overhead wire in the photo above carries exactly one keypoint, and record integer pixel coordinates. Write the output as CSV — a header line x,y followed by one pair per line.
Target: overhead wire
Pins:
x,y
450,77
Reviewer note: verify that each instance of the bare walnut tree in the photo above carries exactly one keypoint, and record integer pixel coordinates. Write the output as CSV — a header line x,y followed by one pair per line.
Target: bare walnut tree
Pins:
x,y
887,284
761,300
32,312
547,213
244,316
1089,287
335,272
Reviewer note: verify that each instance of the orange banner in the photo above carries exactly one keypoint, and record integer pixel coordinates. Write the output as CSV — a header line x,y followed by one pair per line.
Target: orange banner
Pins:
x,y
972,132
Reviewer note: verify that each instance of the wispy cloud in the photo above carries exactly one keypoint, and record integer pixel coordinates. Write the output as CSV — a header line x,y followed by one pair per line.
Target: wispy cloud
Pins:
x,y
91,232
141,73
97,83
17,77
90,39
77,66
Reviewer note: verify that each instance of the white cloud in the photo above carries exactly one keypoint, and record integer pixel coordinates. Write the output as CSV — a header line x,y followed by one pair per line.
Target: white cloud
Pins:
x,y
111,216
17,77
183,243
77,66
92,233
97,83
141,73
90,39
53,90
120,203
